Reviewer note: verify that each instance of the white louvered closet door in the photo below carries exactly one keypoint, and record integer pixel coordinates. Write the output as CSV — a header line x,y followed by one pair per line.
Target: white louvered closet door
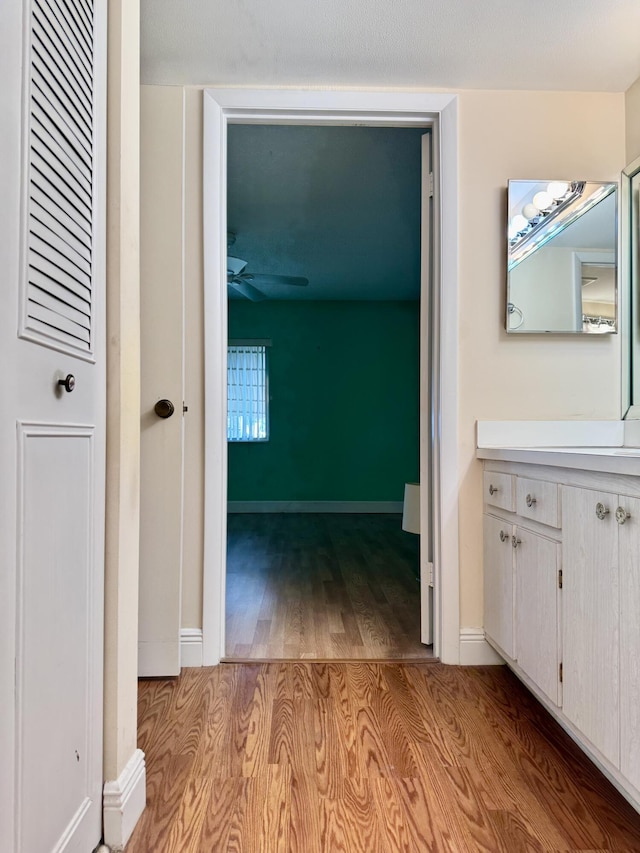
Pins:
x,y
52,437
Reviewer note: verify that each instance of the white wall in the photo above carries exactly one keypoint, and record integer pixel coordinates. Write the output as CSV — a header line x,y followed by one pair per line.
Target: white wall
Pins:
x,y
502,135
632,109
522,135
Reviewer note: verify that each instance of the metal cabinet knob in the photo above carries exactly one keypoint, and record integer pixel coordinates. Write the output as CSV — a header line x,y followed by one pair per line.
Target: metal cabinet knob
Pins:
x,y
622,515
68,383
530,500
493,489
164,408
515,541
504,537
601,510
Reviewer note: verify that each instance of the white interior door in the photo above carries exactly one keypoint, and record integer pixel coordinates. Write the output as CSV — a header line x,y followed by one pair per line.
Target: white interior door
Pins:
x,y
161,332
426,386
52,196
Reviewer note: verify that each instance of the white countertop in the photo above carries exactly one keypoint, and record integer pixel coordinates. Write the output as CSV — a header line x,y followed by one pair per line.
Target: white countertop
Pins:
x,y
614,460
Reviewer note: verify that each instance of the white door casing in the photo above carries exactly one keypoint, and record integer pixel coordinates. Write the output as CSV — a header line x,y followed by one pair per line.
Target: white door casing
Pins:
x,y
52,194
439,112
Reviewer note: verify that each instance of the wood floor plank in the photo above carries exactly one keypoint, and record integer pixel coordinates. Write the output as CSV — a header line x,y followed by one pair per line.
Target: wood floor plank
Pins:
x,y
346,757
313,586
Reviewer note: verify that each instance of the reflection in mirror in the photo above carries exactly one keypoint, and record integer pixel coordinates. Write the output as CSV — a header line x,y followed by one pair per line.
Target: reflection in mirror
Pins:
x,y
630,272
561,263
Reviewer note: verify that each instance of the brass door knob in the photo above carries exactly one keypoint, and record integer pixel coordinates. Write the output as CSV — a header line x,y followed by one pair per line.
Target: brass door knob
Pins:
x,y
164,408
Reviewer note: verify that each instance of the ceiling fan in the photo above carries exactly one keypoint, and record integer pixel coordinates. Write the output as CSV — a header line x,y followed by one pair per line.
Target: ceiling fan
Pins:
x,y
249,284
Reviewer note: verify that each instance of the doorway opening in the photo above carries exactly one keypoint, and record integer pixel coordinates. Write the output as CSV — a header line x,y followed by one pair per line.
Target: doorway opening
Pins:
x,y
323,417
223,108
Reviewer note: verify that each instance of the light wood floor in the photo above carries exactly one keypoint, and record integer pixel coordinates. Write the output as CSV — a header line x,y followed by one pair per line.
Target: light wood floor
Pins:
x,y
304,586
366,758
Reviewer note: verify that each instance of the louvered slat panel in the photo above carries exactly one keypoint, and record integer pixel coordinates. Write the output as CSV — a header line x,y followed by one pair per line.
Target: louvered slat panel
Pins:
x,y
61,248
50,270
41,201
47,330
39,182
71,315
50,48
58,259
81,16
58,321
62,293
62,103
58,304
79,28
42,215
56,175
59,18
75,154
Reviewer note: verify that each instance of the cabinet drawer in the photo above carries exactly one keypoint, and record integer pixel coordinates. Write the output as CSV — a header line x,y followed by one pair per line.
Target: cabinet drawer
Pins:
x,y
539,500
498,490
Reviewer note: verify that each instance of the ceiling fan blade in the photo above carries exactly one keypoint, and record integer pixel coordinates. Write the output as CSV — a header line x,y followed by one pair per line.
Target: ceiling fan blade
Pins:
x,y
235,265
247,290
263,278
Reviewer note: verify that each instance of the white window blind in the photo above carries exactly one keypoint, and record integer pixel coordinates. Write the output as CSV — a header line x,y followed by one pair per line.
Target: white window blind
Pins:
x,y
247,393
58,304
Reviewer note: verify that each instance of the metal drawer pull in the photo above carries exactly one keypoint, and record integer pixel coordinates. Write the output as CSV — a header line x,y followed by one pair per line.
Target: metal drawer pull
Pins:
x,y
530,501
493,489
515,541
601,510
504,537
622,515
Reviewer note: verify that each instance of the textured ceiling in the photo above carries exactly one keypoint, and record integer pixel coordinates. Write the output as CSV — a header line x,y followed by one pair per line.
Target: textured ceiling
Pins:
x,y
337,205
582,45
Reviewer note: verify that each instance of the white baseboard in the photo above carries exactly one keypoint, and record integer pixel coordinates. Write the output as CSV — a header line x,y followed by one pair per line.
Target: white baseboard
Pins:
x,y
123,802
191,647
475,650
158,658
315,506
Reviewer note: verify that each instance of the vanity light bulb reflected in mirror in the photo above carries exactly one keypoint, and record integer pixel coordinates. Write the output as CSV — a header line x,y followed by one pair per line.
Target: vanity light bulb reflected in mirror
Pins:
x,y
562,257
543,200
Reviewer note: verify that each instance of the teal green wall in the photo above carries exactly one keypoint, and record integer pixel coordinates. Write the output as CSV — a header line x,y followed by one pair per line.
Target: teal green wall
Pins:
x,y
344,401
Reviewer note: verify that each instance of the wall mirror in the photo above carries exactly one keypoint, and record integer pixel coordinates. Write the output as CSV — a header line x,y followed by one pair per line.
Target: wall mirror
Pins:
x,y
562,257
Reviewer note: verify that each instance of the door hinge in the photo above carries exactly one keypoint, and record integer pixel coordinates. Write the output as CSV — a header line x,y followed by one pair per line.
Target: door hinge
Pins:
x,y
559,578
430,184
430,574
560,673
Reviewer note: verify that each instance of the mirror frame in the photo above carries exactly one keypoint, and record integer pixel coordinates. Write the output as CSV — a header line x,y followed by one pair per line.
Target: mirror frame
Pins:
x,y
617,324
629,298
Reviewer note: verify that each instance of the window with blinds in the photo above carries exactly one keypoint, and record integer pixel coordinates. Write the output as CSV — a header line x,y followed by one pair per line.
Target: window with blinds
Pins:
x,y
58,297
247,392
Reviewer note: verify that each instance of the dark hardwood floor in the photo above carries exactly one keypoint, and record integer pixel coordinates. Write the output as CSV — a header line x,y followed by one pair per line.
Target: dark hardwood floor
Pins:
x,y
366,758
307,586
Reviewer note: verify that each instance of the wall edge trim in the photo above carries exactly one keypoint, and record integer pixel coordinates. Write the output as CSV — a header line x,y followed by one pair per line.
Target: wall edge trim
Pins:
x,y
123,801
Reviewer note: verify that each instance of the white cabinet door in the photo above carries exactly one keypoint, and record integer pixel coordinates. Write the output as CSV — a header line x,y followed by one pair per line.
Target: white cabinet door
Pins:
x,y
629,553
52,440
537,613
590,635
498,583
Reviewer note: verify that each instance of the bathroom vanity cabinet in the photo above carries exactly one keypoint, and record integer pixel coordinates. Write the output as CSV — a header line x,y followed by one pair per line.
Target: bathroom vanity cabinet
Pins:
x,y
562,592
